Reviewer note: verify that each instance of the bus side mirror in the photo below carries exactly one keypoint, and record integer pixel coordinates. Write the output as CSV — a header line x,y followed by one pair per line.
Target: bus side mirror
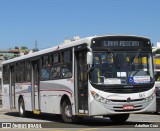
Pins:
x,y
89,58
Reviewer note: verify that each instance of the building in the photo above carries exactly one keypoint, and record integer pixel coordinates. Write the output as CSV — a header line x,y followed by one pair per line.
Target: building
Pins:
x,y
5,55
9,54
1,59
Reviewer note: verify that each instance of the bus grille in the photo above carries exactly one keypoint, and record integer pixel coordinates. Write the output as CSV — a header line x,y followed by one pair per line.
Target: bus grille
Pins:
x,y
136,100
117,105
126,90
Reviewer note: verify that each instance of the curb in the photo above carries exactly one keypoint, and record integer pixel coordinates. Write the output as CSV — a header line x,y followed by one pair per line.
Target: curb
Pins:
x,y
5,110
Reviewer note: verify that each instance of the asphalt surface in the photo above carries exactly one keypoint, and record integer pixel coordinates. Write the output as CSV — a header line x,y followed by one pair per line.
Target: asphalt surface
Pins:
x,y
149,121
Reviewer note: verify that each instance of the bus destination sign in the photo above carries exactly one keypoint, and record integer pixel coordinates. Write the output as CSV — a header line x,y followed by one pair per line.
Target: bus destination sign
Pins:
x,y
121,43
112,43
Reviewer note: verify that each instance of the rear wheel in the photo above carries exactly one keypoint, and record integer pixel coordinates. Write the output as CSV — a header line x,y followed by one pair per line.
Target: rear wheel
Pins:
x,y
22,112
121,118
67,112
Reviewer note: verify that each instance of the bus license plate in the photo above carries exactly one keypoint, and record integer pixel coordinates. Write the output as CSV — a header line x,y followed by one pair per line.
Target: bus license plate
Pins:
x,y
128,107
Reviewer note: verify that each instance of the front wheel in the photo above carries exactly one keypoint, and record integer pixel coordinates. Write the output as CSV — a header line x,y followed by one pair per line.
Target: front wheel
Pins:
x,y
67,112
120,118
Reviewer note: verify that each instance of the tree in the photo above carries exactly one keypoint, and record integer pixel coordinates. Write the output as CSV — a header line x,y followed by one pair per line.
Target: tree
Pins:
x,y
24,49
16,48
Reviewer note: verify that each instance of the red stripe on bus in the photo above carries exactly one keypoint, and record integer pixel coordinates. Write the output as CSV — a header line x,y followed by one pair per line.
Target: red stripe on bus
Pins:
x,y
48,90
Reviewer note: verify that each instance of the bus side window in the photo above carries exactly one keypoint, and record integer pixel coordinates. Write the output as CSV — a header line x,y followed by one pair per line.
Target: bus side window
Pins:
x,y
17,78
45,70
56,67
18,72
67,64
5,75
27,69
55,71
22,71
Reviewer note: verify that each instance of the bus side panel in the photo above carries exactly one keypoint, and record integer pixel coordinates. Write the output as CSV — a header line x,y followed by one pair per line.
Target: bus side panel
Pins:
x,y
16,101
51,93
24,90
5,96
50,102
27,101
151,106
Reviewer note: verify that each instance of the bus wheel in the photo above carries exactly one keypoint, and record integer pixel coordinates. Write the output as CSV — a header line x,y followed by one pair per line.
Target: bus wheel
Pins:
x,y
121,118
67,112
21,107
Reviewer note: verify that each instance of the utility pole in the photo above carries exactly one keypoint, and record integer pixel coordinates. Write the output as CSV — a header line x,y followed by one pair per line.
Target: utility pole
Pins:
x,y
36,44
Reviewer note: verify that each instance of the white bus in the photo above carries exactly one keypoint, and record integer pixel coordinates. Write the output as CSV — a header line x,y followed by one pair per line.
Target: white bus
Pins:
x,y
93,76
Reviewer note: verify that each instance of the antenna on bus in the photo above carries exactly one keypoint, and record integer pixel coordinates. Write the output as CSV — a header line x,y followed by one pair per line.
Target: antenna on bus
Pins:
x,y
68,40
76,38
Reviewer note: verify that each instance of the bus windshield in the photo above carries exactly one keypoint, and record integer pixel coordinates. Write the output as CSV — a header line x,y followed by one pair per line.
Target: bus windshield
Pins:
x,y
126,68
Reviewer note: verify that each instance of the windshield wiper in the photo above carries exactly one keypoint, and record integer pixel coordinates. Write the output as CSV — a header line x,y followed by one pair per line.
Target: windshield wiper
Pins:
x,y
137,55
116,60
90,69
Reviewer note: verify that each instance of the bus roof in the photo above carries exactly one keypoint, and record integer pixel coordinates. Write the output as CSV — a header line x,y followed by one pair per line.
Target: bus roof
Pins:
x,y
49,50
63,46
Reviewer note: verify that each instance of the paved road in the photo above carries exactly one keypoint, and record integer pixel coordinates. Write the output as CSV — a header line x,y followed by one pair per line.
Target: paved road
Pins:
x,y
135,121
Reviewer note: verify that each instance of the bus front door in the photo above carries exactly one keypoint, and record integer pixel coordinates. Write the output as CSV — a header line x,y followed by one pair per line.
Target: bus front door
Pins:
x,y
12,87
81,82
35,87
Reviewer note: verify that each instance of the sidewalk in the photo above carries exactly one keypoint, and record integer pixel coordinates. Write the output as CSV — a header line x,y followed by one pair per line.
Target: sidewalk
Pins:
x,y
0,101
3,110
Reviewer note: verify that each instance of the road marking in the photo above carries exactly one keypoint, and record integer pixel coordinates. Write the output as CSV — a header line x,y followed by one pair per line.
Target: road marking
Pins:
x,y
59,130
23,129
33,129
88,129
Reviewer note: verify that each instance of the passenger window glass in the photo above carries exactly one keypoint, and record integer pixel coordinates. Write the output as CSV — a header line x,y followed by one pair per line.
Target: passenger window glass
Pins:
x,y
45,74
45,61
66,56
28,71
56,58
5,75
67,64
56,66
55,71
45,71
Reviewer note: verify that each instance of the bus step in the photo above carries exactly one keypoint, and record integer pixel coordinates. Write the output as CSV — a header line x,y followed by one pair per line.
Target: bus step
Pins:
x,y
83,111
36,111
82,114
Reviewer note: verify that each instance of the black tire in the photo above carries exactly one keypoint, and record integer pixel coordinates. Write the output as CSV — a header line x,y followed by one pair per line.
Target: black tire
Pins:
x,y
22,112
120,118
67,112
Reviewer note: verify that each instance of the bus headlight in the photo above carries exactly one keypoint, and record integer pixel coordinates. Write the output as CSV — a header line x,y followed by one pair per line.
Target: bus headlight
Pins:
x,y
150,97
99,98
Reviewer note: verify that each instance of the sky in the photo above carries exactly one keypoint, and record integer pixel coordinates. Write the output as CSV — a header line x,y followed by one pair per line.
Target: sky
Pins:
x,y
50,22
